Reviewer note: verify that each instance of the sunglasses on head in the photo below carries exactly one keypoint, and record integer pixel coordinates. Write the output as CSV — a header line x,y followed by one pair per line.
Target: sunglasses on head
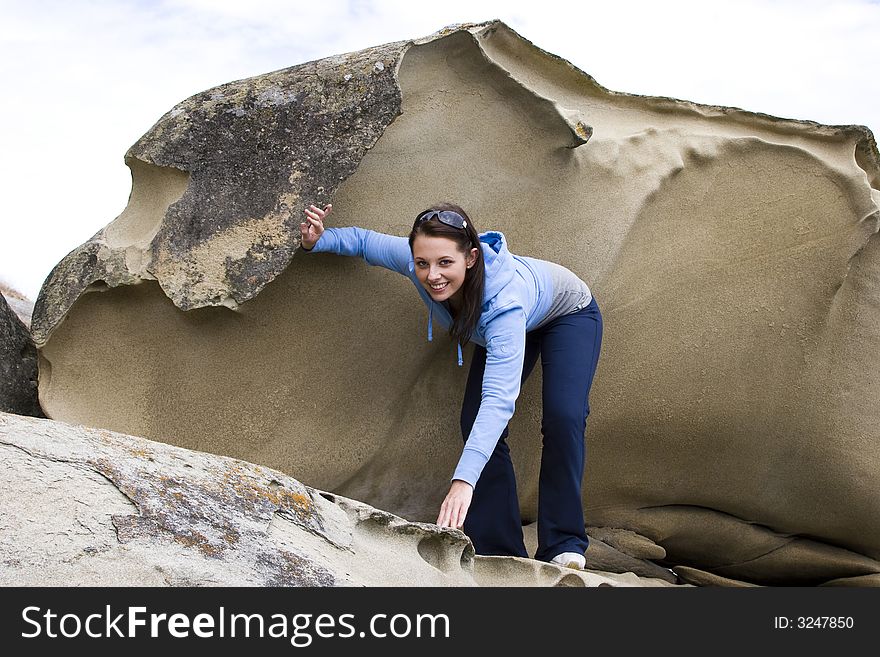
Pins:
x,y
447,217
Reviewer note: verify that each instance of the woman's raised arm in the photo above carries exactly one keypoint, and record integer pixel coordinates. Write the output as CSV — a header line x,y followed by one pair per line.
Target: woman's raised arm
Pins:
x,y
376,248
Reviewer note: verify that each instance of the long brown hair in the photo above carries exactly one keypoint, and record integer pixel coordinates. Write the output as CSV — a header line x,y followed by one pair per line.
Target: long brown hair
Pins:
x,y
467,238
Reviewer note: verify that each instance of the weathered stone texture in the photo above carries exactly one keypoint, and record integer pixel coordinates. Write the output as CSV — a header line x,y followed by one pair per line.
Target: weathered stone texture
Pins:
x,y
244,159
89,507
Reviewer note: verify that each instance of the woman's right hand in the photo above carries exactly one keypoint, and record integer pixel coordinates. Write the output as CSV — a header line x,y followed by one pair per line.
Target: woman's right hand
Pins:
x,y
313,227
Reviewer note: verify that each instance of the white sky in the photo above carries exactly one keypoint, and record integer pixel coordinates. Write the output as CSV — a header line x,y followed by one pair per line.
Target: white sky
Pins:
x,y
83,80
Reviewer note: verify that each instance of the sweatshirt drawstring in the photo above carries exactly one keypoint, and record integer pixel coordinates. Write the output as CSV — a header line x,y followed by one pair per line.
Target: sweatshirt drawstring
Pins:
x,y
431,332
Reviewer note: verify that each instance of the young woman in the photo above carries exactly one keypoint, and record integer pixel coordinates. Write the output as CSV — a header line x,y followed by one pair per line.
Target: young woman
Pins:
x,y
512,308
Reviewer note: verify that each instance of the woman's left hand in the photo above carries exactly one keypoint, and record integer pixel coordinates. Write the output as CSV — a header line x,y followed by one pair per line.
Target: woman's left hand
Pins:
x,y
455,506
313,227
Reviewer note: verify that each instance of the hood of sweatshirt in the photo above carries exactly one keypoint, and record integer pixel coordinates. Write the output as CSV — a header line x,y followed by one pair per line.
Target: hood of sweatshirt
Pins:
x,y
499,263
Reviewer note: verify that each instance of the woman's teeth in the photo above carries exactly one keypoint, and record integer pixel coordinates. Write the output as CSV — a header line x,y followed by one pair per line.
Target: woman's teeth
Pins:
x,y
439,287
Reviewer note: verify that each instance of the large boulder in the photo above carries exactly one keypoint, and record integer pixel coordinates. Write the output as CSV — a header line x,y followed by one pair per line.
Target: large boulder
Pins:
x,y
18,365
734,256
89,507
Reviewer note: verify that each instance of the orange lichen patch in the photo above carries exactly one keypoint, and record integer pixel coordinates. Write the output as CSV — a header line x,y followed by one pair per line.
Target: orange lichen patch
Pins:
x,y
248,488
234,479
196,540
287,499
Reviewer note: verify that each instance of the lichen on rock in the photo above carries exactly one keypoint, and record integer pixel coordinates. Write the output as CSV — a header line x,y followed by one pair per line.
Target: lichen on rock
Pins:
x,y
90,507
244,159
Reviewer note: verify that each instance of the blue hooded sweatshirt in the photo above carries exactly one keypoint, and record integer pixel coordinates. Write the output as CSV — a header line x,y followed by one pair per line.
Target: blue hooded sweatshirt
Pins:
x,y
517,294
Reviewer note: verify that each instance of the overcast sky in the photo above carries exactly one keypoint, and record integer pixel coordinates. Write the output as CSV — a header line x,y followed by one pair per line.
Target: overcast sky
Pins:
x,y
83,80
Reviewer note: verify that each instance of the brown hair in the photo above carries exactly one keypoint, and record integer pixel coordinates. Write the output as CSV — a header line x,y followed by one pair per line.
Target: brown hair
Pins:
x,y
474,279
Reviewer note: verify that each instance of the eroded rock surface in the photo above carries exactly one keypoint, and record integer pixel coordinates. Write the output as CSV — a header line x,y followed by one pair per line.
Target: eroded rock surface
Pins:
x,y
90,507
18,365
734,255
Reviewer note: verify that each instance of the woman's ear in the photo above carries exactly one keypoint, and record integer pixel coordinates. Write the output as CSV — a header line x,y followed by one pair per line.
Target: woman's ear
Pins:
x,y
472,258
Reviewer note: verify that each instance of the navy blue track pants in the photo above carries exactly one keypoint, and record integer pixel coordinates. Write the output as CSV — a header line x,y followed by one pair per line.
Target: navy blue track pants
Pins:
x,y
569,349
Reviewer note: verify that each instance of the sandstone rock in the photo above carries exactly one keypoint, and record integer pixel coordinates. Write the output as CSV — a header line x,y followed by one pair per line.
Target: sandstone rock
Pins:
x,y
863,580
628,542
516,571
699,577
89,507
734,255
18,365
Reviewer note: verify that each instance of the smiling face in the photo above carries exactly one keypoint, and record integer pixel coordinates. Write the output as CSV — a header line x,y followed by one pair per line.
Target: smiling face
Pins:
x,y
441,267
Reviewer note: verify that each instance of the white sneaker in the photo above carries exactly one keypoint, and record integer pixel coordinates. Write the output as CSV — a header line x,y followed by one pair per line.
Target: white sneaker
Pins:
x,y
570,560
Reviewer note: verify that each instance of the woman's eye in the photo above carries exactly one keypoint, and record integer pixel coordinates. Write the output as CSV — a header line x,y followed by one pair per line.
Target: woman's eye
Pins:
x,y
446,262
